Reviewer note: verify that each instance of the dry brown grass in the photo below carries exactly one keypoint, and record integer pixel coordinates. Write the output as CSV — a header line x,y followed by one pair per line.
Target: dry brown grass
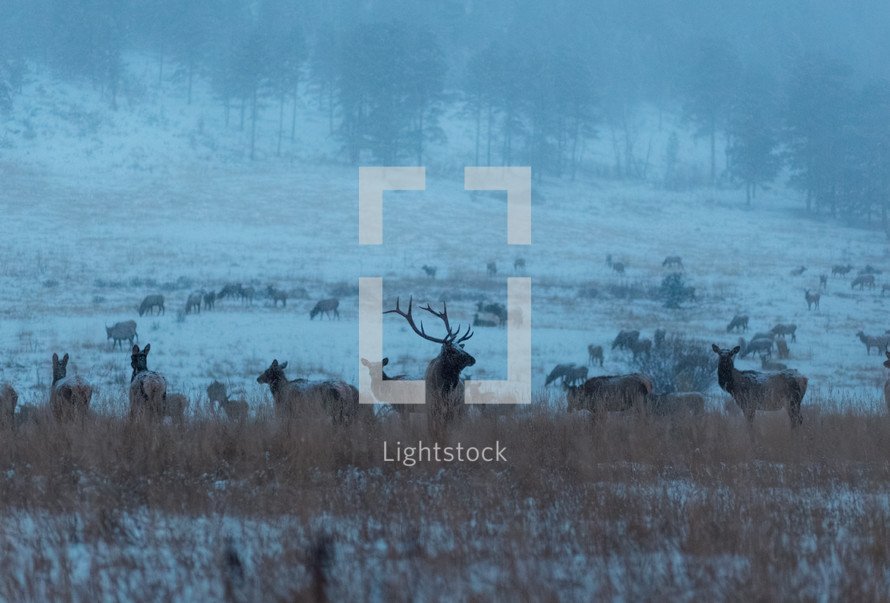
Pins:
x,y
698,508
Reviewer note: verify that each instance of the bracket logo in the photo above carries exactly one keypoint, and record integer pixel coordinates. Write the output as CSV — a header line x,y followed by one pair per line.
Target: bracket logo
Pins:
x,y
517,388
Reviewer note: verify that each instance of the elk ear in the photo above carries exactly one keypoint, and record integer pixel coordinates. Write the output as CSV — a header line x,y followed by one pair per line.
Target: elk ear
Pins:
x,y
275,362
65,359
283,365
735,350
715,348
366,363
386,361
135,349
55,358
146,349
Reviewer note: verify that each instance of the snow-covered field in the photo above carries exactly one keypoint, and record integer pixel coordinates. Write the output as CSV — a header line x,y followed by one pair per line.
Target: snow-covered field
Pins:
x,y
99,209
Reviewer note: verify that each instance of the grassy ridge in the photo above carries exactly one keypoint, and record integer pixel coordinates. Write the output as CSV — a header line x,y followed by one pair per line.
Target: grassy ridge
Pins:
x,y
694,508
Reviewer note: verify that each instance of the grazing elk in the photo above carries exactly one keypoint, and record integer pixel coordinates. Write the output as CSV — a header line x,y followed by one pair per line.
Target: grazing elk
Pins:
x,y
519,265
209,300
611,393
150,303
444,387
430,271
886,384
879,342
485,320
326,307
762,346
677,403
838,270
8,400
236,410
499,310
673,261
234,290
491,268
558,372
575,375
754,391
69,397
798,271
277,295
739,322
625,339
781,330
812,299
121,331
193,304
769,365
247,295
338,399
594,354
863,281
148,389
174,407
641,347
782,348
618,267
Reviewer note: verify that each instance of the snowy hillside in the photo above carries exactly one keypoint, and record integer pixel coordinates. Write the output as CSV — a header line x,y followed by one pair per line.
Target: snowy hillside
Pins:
x,y
101,207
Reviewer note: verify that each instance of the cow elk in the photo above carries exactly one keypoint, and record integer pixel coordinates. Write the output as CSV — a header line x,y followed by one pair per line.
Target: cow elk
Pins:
x,y
277,295
595,354
879,342
753,391
739,322
326,307
150,303
8,400
673,261
491,268
209,300
838,270
193,304
338,399
675,404
862,281
380,391
174,407
641,348
148,389
444,387
812,299
69,397
781,331
430,271
236,410
121,331
614,393
625,339
887,383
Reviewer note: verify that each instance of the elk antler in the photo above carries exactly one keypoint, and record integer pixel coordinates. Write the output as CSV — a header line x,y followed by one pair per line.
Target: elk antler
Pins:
x,y
449,338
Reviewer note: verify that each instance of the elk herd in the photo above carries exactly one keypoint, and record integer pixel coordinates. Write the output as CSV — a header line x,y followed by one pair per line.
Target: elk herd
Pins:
x,y
774,387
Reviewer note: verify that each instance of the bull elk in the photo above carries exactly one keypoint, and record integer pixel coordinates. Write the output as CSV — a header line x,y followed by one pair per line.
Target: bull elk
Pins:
x,y
69,397
444,387
754,391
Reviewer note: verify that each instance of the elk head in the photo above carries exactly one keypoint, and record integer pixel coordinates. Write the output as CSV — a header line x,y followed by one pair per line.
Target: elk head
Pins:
x,y
139,359
452,358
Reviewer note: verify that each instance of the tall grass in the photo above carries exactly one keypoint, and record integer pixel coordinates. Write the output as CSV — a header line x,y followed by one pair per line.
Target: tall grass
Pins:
x,y
631,507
